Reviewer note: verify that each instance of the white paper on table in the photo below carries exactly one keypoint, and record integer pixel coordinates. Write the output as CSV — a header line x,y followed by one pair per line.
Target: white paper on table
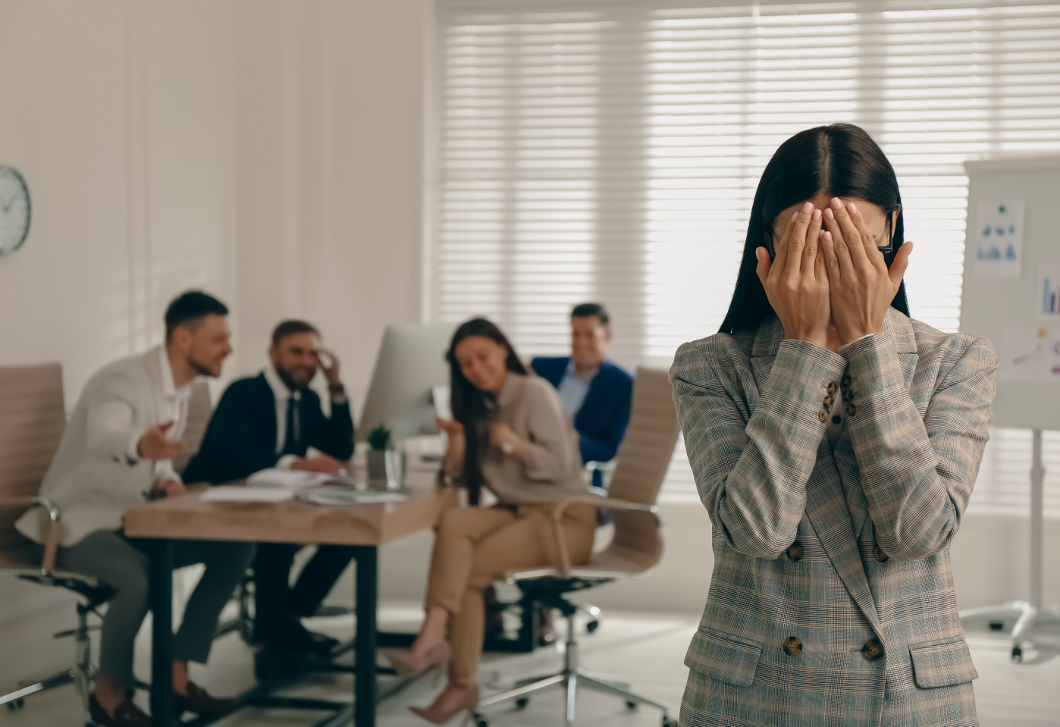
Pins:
x,y
998,239
238,493
292,480
344,496
1030,354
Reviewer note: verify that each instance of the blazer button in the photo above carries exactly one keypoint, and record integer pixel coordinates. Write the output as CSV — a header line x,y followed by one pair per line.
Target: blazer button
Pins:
x,y
828,401
792,646
832,388
852,410
872,650
794,552
881,556
823,415
846,381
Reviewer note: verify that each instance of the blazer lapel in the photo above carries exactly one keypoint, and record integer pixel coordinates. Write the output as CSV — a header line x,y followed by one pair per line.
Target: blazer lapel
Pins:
x,y
826,506
153,366
268,414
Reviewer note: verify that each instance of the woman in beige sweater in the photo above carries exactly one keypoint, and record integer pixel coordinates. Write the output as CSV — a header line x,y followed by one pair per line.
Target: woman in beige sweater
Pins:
x,y
511,436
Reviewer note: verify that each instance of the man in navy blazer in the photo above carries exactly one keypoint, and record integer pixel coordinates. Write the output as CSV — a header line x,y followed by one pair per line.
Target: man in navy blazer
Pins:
x,y
271,420
596,393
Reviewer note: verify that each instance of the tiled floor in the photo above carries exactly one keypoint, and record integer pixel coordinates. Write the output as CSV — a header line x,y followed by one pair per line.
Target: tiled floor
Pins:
x,y
645,651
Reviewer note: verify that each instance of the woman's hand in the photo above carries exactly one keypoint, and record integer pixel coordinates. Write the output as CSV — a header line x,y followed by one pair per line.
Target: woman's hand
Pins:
x,y
502,436
451,428
796,282
453,463
860,285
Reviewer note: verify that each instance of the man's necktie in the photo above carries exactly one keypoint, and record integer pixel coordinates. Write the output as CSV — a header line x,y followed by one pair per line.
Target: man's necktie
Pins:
x,y
290,440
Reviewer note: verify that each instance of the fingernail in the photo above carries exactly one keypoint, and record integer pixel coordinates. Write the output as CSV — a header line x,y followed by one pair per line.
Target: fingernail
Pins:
x,y
827,235
828,214
817,215
794,215
807,208
852,209
836,203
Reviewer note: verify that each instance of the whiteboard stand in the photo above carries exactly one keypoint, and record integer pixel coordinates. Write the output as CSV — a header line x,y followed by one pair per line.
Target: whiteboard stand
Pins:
x,y
1027,615
993,304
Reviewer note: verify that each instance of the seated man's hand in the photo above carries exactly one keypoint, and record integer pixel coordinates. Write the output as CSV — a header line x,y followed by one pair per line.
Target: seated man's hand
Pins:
x,y
323,463
153,444
168,488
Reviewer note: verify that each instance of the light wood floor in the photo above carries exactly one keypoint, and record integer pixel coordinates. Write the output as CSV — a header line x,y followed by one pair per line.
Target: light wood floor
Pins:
x,y
645,651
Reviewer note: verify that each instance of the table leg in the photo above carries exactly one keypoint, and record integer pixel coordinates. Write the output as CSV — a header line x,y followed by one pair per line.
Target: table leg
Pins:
x,y
367,602
161,598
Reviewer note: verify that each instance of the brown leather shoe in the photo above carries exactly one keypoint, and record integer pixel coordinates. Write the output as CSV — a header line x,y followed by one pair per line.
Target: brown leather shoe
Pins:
x,y
126,715
201,703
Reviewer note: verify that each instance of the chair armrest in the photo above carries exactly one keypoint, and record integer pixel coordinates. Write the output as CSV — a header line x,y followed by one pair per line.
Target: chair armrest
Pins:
x,y
55,528
595,501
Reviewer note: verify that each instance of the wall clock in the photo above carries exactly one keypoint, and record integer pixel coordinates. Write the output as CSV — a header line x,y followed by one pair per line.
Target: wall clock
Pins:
x,y
14,210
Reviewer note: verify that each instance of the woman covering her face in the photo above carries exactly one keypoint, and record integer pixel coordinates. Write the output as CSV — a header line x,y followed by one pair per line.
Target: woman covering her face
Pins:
x,y
835,442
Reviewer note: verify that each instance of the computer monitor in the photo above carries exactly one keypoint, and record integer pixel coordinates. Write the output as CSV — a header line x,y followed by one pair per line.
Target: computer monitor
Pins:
x,y
410,368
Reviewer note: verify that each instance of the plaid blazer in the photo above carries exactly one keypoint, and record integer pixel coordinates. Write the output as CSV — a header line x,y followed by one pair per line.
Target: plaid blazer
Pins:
x,y
832,602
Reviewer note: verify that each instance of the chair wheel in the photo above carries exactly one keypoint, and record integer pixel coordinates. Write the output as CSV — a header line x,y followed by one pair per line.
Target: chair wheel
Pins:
x,y
592,626
521,702
16,704
481,721
1017,654
669,721
631,705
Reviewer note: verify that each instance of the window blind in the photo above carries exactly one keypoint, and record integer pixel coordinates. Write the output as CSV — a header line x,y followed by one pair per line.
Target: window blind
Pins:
x,y
609,150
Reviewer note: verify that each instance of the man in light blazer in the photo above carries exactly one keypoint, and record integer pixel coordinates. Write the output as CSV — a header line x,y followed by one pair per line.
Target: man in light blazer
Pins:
x,y
116,452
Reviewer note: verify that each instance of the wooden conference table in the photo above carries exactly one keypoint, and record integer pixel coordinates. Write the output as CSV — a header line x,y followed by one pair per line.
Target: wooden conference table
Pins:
x,y
365,527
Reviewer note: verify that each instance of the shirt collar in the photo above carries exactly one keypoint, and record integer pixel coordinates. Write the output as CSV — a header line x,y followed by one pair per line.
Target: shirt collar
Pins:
x,y
279,389
169,388
572,371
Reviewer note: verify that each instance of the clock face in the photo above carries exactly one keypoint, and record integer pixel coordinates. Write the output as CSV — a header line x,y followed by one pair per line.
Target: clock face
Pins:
x,y
14,210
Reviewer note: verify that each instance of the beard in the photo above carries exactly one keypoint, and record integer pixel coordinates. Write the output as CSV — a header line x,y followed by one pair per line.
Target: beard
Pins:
x,y
288,379
199,368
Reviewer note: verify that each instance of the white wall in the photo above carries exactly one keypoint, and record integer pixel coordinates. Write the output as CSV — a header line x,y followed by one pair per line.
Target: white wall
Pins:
x,y
119,115
267,151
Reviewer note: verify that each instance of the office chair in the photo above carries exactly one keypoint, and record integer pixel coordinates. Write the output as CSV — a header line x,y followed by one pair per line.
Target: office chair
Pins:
x,y
642,461
32,420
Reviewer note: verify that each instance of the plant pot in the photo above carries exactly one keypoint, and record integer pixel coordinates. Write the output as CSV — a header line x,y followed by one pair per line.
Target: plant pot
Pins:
x,y
385,470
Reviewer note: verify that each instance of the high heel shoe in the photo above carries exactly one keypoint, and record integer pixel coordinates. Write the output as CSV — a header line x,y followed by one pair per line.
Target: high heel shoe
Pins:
x,y
468,705
408,666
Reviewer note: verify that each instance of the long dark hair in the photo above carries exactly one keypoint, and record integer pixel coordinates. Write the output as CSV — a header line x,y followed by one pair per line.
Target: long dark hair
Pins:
x,y
469,402
840,160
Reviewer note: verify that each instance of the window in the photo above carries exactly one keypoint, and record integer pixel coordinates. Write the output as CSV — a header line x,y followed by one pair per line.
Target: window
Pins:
x,y
610,149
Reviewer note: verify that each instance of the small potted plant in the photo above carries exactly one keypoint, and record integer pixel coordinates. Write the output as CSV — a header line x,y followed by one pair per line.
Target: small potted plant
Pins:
x,y
383,461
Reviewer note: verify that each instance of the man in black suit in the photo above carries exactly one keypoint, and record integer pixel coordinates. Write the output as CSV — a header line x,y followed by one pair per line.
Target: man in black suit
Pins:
x,y
271,420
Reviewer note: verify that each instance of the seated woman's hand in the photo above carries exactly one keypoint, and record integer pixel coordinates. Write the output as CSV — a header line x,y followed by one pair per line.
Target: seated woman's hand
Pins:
x,y
796,282
451,428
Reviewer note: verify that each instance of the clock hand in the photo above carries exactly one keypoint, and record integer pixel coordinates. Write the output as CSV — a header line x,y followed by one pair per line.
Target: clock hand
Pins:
x,y
9,204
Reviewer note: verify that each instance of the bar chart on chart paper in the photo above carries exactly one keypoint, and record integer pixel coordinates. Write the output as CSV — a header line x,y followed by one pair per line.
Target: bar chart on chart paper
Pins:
x,y
1048,291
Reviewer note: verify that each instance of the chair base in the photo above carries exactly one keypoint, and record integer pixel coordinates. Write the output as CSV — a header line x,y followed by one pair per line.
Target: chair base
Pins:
x,y
1027,619
571,679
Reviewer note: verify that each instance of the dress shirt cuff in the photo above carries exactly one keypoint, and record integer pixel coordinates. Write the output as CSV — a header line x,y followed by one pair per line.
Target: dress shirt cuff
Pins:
x,y
164,472
286,461
338,394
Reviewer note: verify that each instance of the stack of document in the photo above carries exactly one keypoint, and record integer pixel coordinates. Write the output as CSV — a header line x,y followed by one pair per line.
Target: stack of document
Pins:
x,y
336,496
269,485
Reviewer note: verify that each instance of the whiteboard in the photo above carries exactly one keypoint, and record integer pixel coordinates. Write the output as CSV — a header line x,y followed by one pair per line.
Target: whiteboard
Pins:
x,y
990,305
